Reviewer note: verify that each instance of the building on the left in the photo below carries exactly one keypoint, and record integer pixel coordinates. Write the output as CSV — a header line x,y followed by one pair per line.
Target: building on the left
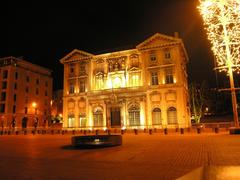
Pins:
x,y
25,93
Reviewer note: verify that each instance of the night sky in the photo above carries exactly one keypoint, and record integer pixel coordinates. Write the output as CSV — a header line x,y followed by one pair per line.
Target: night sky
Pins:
x,y
43,33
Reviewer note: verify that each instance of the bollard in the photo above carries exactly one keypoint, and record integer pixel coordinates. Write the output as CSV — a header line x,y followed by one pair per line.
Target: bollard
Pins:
x,y
176,130
165,131
73,132
9,132
135,131
62,132
182,131
216,129
198,130
33,132
1,132
52,132
16,132
25,132
150,131
155,130
145,130
109,132
122,131
84,132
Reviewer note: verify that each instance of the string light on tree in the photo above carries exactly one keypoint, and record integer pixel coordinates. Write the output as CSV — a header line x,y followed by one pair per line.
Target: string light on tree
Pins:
x,y
222,23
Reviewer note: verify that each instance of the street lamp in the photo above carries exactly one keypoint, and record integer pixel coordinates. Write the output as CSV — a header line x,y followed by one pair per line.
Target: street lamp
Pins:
x,y
222,22
34,105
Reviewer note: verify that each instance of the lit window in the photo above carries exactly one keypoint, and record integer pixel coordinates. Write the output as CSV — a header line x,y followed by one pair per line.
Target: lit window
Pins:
x,y
134,116
135,80
71,120
99,81
98,117
117,82
82,120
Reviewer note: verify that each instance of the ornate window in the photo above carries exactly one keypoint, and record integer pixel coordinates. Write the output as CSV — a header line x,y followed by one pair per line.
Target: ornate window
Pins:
x,y
71,68
134,60
172,115
169,76
156,116
117,82
134,115
98,117
71,120
99,81
135,80
154,76
153,58
82,85
82,120
167,54
71,88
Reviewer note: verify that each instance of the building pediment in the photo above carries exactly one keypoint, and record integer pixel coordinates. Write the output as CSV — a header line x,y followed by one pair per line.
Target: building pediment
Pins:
x,y
134,69
157,40
76,55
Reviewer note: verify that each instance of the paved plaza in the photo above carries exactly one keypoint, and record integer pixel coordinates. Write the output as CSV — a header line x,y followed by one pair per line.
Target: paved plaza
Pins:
x,y
141,156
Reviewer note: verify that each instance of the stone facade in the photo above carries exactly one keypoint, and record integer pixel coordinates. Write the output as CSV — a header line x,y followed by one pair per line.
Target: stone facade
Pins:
x,y
144,87
26,92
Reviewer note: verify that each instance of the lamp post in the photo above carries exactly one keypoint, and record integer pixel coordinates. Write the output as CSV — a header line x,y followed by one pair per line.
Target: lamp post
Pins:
x,y
222,22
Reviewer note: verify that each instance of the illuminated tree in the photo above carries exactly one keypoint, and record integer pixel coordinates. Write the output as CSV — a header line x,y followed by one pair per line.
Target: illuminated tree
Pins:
x,y
197,100
222,22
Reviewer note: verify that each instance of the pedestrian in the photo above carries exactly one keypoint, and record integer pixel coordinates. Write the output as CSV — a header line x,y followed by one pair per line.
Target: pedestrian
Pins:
x,y
13,123
35,123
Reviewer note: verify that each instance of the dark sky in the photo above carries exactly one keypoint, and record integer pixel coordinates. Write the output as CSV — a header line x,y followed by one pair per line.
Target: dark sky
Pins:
x,y
45,32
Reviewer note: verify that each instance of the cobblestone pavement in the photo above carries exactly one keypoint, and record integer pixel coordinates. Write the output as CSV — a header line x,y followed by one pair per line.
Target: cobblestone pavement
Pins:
x,y
141,156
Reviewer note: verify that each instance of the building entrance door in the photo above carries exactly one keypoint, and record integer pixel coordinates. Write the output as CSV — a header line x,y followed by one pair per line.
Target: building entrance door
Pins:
x,y
115,117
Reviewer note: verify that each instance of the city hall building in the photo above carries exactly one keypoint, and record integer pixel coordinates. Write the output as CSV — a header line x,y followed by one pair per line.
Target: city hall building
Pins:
x,y
144,87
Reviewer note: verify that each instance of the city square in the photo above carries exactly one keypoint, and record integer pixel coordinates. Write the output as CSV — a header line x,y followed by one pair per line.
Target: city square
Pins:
x,y
141,156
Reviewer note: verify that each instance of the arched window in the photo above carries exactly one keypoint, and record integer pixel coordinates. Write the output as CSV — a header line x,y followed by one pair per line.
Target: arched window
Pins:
x,y
71,120
172,115
98,117
99,81
134,115
156,116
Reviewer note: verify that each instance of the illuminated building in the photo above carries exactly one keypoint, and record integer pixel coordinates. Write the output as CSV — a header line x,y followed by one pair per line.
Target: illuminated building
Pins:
x,y
144,87
25,91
